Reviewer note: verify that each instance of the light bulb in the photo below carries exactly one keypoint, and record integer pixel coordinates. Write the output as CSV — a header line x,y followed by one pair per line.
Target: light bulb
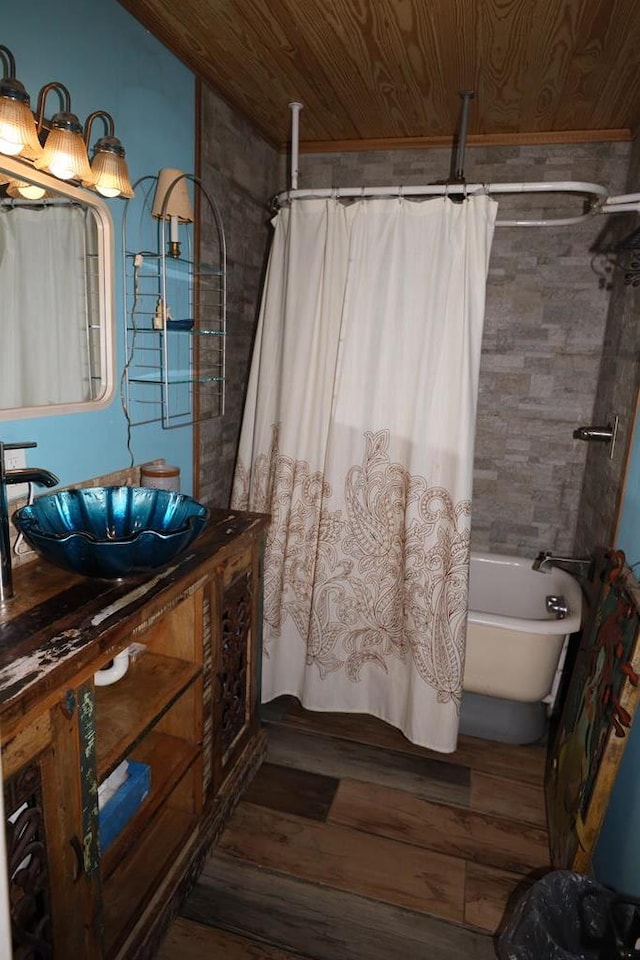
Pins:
x,y
108,191
9,147
18,134
61,166
31,191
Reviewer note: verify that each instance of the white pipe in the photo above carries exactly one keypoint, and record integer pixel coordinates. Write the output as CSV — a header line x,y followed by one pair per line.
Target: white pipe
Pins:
x,y
625,198
295,108
610,207
113,673
595,191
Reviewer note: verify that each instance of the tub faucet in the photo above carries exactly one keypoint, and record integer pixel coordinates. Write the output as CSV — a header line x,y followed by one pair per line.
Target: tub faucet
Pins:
x,y
43,478
582,567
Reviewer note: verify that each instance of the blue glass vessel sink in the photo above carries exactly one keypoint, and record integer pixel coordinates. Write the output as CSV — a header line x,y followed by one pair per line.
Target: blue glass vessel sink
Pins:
x,y
111,532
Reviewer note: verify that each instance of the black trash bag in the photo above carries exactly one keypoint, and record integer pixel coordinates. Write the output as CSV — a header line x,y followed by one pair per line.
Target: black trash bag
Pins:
x,y
563,916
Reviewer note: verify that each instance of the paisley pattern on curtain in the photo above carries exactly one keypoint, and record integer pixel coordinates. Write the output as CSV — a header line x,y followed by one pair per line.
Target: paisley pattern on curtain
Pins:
x,y
357,439
387,572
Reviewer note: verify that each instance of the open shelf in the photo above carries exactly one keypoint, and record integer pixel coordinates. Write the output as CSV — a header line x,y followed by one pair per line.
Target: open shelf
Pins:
x,y
169,758
135,879
166,296
126,711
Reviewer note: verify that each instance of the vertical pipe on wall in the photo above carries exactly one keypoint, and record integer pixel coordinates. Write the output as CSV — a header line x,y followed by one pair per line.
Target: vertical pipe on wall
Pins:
x,y
295,108
466,96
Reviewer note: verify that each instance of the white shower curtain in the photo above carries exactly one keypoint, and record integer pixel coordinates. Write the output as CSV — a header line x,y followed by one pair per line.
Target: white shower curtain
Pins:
x,y
45,352
358,440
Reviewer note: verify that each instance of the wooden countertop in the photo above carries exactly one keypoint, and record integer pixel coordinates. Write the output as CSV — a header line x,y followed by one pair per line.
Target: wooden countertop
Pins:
x,y
58,622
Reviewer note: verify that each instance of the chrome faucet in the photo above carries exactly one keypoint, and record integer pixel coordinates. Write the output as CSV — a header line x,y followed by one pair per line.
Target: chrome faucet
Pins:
x,y
580,567
43,478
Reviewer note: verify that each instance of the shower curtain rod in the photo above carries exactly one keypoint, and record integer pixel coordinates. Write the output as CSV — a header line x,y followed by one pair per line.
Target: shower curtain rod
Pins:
x,y
596,195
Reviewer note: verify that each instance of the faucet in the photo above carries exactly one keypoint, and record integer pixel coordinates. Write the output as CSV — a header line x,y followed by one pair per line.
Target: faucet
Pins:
x,y
42,478
579,567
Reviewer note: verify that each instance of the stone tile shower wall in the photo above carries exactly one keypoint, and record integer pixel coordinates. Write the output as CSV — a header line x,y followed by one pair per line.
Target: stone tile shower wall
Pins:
x,y
242,173
617,392
544,329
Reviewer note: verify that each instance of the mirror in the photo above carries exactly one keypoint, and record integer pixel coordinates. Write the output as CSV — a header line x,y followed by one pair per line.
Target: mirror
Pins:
x,y
56,306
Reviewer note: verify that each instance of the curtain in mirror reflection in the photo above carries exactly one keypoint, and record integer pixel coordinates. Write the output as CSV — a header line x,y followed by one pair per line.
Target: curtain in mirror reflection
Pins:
x,y
46,341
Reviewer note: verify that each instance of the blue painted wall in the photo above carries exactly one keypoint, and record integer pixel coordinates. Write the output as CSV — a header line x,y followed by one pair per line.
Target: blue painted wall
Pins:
x,y
108,61
628,535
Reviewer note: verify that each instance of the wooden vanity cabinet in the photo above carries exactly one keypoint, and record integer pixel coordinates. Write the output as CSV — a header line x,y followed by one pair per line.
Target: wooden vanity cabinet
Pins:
x,y
234,669
186,709
48,884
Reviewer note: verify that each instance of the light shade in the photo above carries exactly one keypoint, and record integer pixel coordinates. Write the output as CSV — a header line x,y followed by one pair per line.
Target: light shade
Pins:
x,y
172,201
64,154
109,169
18,132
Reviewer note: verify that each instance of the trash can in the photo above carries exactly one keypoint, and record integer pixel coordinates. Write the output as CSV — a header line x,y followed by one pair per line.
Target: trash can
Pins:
x,y
566,916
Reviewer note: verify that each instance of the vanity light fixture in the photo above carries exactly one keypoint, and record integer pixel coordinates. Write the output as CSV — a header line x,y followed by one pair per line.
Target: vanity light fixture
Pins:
x,y
63,150
18,134
172,202
109,167
64,155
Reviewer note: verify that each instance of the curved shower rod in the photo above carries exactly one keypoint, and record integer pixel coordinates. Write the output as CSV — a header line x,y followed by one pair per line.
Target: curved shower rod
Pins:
x,y
597,196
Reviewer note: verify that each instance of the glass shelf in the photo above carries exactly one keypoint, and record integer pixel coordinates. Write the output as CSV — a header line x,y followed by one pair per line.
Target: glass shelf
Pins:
x,y
185,365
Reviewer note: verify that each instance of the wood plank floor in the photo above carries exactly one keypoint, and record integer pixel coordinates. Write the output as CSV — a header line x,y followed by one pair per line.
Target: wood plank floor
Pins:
x,y
353,843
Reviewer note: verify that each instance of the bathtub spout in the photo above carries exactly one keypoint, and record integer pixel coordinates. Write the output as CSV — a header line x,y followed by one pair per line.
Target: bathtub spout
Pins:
x,y
579,567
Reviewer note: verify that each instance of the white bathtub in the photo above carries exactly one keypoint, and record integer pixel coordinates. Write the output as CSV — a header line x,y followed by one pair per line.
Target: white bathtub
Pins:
x,y
515,647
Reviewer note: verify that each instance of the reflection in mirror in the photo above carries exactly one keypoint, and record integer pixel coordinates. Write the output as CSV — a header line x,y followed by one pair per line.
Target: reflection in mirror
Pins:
x,y
55,296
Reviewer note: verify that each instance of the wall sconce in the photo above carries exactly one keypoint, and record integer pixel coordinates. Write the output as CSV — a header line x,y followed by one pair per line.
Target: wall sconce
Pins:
x,y
172,202
18,135
64,154
108,166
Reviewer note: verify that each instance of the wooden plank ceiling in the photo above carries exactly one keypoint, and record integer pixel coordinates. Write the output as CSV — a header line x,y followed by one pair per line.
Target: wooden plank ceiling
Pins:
x,y
391,70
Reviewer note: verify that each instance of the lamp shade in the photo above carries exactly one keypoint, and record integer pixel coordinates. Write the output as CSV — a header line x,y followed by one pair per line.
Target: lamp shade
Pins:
x,y
64,154
177,199
18,133
109,169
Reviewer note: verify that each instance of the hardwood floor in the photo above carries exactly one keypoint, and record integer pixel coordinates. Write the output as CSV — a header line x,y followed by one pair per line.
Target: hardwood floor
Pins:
x,y
353,843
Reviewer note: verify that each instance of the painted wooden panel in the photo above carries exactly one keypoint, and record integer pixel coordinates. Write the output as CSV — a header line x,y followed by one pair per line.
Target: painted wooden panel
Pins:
x,y
601,702
392,69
